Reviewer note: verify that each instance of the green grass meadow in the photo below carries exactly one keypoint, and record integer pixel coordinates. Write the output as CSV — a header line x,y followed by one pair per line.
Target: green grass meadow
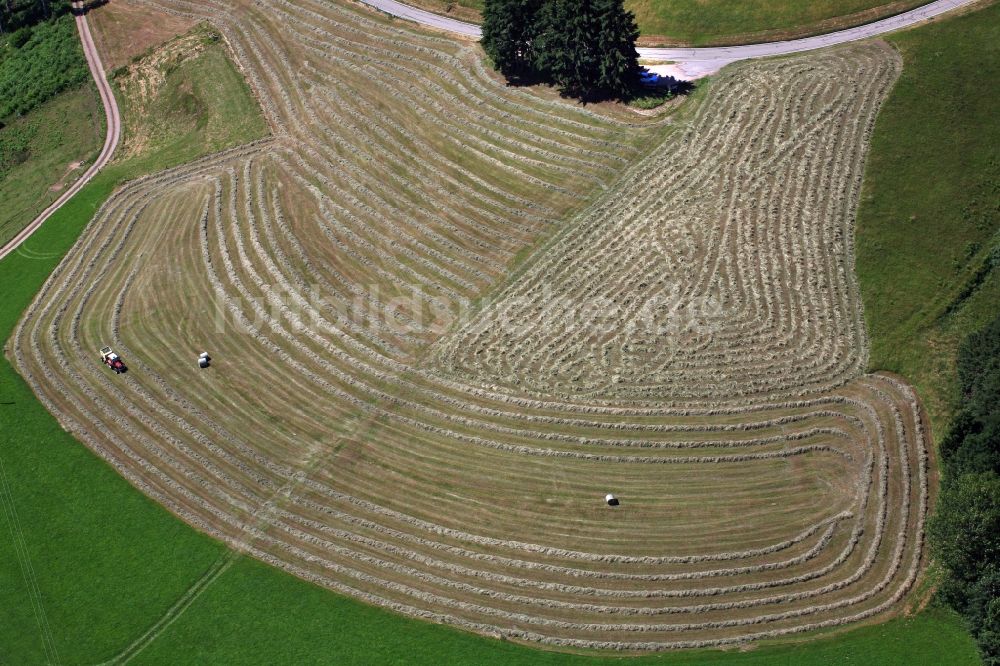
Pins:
x,y
707,22
37,149
88,564
928,232
718,22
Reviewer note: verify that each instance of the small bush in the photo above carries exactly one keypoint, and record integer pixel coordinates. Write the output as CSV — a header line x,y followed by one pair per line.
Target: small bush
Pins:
x,y
20,37
14,146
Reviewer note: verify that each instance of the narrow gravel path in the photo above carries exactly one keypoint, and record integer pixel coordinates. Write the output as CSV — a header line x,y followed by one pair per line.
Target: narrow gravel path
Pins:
x,y
113,119
694,63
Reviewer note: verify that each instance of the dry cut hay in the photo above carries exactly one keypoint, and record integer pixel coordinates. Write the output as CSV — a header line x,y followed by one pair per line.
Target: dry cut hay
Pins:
x,y
453,468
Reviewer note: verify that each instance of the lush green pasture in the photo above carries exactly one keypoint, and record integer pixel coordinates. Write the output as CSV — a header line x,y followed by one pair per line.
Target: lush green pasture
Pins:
x,y
725,22
106,562
927,238
706,22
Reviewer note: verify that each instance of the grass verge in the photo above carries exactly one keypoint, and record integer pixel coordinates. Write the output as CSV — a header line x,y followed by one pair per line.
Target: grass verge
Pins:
x,y
723,22
928,234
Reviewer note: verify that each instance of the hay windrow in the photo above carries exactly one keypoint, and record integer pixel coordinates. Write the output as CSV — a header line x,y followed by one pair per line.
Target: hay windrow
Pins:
x,y
443,463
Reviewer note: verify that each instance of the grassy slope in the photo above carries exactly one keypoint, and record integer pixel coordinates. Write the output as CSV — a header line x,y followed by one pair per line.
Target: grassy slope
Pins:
x,y
200,109
707,22
930,211
702,22
107,560
66,129
53,118
139,555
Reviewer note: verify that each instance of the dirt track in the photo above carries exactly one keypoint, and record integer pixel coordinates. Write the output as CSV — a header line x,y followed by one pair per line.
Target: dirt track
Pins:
x,y
113,122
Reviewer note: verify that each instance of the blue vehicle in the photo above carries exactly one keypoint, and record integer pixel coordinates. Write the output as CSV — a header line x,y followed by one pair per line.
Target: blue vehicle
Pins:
x,y
648,79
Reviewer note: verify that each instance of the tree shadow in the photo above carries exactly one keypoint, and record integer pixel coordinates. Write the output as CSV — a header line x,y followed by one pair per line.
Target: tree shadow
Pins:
x,y
86,6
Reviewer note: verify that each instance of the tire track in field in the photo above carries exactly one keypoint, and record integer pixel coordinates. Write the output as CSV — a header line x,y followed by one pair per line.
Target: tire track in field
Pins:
x,y
27,570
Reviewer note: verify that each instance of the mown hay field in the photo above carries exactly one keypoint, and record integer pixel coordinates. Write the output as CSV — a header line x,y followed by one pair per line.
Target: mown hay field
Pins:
x,y
446,317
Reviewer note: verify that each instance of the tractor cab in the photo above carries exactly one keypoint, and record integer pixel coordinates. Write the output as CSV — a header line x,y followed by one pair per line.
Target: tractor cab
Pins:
x,y
112,360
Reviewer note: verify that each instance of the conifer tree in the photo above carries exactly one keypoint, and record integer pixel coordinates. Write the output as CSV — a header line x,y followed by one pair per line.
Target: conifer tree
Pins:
x,y
619,66
586,47
567,46
509,31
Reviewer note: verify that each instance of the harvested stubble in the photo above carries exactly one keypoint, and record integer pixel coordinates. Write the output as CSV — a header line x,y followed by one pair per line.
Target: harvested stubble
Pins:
x,y
768,487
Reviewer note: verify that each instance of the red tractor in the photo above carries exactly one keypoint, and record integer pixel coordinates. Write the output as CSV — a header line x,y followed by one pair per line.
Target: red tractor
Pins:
x,y
112,360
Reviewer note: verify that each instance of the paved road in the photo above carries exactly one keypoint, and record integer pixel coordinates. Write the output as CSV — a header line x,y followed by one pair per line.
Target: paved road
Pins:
x,y
110,140
693,63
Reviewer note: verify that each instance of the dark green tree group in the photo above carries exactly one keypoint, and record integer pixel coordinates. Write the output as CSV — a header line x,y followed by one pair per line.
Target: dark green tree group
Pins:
x,y
586,47
18,14
965,531
48,62
509,35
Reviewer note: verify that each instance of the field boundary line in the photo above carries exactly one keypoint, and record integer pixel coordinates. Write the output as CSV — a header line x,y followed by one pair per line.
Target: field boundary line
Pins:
x,y
219,567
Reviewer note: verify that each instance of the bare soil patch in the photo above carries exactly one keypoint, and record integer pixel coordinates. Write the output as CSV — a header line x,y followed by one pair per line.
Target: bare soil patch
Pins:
x,y
124,30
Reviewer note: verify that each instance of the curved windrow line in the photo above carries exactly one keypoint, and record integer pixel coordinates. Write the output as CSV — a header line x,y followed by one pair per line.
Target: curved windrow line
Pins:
x,y
454,470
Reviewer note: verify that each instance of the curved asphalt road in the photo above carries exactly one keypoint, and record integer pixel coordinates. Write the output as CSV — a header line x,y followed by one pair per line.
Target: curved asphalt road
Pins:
x,y
110,139
693,63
